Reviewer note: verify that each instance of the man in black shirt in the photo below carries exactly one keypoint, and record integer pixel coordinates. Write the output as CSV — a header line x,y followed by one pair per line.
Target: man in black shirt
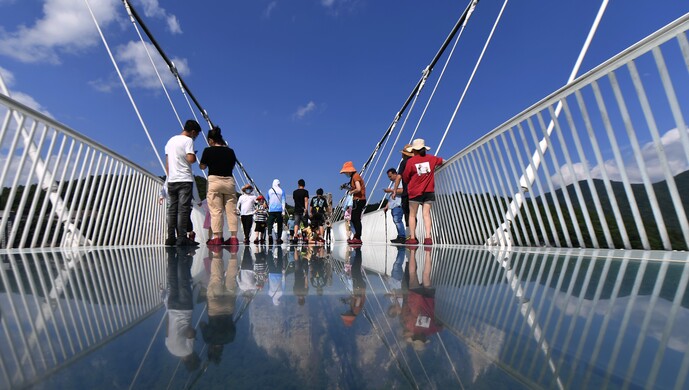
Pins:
x,y
319,209
301,199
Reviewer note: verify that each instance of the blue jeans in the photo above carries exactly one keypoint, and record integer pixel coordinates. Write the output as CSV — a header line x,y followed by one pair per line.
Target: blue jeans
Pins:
x,y
397,214
178,209
179,280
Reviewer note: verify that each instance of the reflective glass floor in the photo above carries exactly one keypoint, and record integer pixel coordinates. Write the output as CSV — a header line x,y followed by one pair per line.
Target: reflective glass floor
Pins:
x,y
367,317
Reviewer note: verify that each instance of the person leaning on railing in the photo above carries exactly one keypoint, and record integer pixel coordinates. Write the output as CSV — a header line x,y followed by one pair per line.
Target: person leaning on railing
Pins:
x,y
419,175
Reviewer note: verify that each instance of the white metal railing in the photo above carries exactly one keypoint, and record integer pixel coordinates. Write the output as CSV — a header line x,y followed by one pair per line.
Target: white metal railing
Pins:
x,y
610,171
58,188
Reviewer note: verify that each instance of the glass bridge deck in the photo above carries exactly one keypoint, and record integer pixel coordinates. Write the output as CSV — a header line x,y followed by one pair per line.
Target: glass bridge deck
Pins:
x,y
343,317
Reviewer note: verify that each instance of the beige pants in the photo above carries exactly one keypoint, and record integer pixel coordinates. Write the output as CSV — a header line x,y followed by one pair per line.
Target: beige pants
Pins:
x,y
222,287
222,196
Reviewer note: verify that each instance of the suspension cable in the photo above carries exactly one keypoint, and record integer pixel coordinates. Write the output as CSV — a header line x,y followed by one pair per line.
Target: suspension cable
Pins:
x,y
471,78
155,68
442,73
430,98
124,83
150,344
380,172
419,85
173,69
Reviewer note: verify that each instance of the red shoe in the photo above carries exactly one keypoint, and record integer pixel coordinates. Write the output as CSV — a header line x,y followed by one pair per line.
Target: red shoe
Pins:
x,y
231,241
215,241
411,241
355,241
428,241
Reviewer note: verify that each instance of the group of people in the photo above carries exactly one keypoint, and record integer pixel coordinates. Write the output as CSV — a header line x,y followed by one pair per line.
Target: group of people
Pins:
x,y
311,216
415,173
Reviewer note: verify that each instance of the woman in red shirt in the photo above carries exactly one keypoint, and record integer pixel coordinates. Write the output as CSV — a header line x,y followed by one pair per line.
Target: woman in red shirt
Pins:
x,y
419,174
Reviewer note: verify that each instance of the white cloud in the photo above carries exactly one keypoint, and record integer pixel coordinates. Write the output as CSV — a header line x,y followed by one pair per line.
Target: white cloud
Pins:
x,y
670,143
173,24
7,77
269,9
21,97
65,26
29,101
334,7
138,71
152,9
303,110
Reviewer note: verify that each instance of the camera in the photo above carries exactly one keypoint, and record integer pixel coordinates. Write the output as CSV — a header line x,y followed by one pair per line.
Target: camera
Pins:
x,y
346,186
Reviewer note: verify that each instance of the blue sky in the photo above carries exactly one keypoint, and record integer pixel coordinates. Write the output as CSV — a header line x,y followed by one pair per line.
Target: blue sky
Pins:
x,y
299,87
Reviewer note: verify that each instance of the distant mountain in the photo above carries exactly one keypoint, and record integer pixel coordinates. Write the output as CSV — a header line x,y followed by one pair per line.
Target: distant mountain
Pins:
x,y
624,201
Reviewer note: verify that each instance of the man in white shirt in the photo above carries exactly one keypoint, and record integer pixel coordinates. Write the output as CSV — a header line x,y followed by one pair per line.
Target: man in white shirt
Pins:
x,y
179,155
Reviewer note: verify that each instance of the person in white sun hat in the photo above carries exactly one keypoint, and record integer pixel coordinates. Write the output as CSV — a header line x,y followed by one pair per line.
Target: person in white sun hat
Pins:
x,y
419,174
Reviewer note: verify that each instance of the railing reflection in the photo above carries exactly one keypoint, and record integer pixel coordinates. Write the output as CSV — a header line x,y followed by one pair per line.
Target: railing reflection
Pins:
x,y
57,306
413,317
570,318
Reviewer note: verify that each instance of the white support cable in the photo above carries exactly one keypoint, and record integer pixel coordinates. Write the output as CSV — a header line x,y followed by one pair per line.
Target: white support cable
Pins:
x,y
124,84
155,68
530,172
172,105
193,113
432,95
435,88
399,133
473,73
449,359
150,344
442,72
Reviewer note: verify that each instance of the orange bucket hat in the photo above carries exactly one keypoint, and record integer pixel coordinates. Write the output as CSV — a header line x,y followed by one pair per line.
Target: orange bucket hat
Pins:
x,y
348,167
347,319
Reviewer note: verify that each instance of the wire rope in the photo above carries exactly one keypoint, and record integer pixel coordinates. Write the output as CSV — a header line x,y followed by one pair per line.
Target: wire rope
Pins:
x,y
460,22
471,78
183,87
431,96
155,68
155,334
124,83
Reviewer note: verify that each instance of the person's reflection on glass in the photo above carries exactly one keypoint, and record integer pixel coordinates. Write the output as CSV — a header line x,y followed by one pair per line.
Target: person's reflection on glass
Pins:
x,y
179,306
261,266
357,298
318,270
396,294
418,311
246,278
222,293
276,275
301,276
